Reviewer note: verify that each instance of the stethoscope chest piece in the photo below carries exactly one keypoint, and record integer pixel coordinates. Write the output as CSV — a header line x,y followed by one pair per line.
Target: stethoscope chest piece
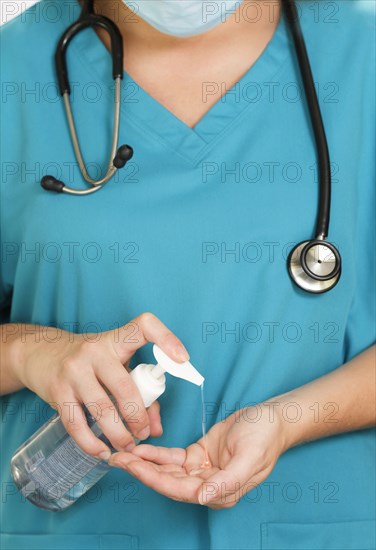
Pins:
x,y
315,266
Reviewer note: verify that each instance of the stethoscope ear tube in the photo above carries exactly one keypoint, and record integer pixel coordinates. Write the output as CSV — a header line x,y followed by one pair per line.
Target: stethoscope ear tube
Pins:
x,y
88,20
119,156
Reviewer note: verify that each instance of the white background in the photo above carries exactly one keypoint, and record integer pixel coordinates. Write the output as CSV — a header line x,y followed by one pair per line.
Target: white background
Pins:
x,y
12,8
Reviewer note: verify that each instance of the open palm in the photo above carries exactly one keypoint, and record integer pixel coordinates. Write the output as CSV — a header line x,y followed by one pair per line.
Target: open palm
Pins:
x,y
242,453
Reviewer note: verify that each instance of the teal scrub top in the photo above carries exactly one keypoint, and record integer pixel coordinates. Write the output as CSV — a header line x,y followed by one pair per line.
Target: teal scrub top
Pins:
x,y
196,229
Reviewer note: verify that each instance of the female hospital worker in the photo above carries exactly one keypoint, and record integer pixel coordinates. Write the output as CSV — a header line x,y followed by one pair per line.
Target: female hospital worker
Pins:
x,y
196,229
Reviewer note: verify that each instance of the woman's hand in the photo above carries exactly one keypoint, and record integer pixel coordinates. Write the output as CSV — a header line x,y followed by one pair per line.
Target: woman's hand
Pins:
x,y
242,451
72,371
244,448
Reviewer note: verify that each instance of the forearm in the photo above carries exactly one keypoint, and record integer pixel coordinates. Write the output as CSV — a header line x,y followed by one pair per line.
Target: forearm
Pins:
x,y
341,401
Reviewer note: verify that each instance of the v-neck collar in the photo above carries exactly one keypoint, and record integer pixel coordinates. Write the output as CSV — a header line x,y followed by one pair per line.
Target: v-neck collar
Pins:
x,y
145,112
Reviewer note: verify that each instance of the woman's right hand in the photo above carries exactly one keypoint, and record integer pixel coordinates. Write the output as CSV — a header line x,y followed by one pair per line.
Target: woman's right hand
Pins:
x,y
73,371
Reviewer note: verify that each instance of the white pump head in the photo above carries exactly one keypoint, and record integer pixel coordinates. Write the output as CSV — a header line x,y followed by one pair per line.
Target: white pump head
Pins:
x,y
151,380
186,370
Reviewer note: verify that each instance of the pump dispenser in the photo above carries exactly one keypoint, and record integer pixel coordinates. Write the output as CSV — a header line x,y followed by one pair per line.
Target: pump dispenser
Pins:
x,y
51,470
151,380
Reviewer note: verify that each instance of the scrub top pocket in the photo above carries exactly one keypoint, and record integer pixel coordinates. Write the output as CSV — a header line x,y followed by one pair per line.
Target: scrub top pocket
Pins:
x,y
10,541
351,535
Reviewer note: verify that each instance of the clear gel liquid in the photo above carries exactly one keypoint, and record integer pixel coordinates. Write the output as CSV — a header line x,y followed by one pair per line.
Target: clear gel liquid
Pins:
x,y
206,464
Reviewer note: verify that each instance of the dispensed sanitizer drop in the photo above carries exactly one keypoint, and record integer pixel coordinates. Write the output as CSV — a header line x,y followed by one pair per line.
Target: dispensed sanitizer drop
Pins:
x,y
51,470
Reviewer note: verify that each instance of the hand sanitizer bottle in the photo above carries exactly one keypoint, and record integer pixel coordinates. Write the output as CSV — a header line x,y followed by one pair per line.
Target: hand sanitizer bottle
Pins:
x,y
51,470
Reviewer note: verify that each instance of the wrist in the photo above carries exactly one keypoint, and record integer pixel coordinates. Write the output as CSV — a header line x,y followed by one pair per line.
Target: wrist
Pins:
x,y
12,353
20,341
291,419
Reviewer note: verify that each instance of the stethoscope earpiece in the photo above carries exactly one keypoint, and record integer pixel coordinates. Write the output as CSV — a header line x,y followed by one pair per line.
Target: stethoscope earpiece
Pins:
x,y
315,266
123,155
49,183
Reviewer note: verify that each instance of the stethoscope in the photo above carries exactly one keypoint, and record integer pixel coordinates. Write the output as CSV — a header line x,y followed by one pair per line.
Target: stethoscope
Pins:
x,y
313,265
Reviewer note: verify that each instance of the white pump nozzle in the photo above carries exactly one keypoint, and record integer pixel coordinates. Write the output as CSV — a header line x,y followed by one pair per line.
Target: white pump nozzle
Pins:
x,y
151,380
186,370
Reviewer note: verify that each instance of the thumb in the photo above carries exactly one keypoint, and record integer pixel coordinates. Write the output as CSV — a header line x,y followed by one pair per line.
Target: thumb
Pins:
x,y
143,329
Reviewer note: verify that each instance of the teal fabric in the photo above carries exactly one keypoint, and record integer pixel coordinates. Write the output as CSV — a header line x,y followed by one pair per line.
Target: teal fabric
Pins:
x,y
196,229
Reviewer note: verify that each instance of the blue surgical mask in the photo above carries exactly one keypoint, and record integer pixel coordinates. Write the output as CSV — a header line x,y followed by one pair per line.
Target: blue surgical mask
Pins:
x,y
183,18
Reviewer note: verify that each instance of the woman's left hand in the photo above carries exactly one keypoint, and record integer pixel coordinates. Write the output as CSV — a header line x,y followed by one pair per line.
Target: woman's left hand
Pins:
x,y
243,450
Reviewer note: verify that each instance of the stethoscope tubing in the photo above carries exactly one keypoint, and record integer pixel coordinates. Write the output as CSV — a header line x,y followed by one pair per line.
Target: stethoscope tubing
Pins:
x,y
322,149
111,168
88,19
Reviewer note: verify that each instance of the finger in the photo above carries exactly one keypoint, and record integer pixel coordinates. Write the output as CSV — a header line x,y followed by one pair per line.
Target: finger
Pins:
x,y
161,455
128,398
104,411
155,420
196,458
146,328
227,500
184,488
74,421
122,459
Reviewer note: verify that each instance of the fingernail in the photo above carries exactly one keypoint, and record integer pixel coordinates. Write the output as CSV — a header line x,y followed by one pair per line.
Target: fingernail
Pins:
x,y
204,497
144,434
104,455
181,353
201,499
129,447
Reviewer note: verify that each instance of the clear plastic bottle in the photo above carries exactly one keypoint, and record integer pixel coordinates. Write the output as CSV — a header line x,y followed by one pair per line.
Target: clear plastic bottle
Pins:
x,y
51,470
